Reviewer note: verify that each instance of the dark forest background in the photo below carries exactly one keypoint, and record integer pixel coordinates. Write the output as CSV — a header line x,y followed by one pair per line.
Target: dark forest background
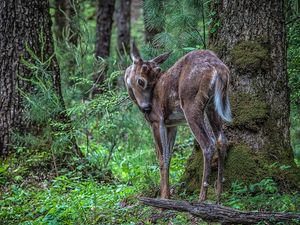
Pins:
x,y
75,150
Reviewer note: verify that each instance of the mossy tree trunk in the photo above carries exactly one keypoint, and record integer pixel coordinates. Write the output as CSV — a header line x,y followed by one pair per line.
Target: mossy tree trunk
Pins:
x,y
250,38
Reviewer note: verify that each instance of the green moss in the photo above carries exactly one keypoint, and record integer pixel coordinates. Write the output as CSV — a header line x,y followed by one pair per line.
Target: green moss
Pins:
x,y
243,164
219,49
248,110
248,166
250,55
281,166
191,178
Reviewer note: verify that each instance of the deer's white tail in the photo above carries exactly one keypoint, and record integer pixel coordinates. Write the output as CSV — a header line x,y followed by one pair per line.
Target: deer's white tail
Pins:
x,y
221,98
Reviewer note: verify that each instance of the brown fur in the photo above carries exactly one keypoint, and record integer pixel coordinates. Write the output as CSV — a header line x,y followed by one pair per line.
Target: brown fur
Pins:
x,y
182,94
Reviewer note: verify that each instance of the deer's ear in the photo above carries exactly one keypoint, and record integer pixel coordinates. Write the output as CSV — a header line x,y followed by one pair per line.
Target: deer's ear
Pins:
x,y
161,58
134,52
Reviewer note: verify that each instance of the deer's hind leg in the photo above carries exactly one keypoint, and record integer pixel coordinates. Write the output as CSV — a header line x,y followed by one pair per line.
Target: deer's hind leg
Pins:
x,y
216,125
194,114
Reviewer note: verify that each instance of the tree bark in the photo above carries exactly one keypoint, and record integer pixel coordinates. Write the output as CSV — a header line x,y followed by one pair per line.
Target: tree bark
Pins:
x,y
23,24
123,25
218,213
105,11
250,38
66,24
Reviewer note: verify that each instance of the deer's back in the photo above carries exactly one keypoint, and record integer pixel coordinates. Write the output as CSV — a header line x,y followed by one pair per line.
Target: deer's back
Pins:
x,y
189,75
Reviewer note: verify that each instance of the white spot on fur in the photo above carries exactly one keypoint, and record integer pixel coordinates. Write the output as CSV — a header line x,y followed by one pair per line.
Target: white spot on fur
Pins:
x,y
191,75
205,184
213,79
129,75
172,94
220,138
128,82
213,140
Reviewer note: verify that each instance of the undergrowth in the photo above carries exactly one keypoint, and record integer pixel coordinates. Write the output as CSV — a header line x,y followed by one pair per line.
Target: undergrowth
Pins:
x,y
70,199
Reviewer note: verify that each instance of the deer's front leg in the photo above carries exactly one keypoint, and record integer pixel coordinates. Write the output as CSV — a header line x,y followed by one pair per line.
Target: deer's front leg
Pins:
x,y
164,171
164,141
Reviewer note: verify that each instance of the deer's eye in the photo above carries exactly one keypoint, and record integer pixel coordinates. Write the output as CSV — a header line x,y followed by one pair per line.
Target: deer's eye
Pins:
x,y
157,69
141,83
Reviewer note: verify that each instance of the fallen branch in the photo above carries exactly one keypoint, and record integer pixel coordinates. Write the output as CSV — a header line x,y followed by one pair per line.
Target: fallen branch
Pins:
x,y
218,213
154,218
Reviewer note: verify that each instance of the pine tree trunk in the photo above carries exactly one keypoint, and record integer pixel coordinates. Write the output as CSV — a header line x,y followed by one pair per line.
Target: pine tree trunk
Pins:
x,y
105,11
23,24
251,40
123,24
65,11
104,22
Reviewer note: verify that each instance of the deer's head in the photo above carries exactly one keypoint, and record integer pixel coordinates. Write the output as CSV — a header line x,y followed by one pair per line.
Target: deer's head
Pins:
x,y
141,76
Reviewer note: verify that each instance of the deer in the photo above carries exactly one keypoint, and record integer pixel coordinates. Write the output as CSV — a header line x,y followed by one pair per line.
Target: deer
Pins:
x,y
197,84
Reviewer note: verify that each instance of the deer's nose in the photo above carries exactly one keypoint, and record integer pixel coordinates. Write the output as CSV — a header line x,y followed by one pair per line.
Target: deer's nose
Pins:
x,y
147,109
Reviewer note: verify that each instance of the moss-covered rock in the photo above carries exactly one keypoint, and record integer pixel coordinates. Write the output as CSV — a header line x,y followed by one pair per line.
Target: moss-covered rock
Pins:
x,y
248,110
249,56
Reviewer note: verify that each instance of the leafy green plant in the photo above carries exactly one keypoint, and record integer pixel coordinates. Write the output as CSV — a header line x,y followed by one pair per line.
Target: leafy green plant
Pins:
x,y
262,196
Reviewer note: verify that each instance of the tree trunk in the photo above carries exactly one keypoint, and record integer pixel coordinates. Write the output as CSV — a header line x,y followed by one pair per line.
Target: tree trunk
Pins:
x,y
105,11
104,22
250,38
156,27
123,24
23,24
66,24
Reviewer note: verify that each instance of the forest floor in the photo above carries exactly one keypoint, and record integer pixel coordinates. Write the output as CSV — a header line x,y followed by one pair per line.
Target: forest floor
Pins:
x,y
35,194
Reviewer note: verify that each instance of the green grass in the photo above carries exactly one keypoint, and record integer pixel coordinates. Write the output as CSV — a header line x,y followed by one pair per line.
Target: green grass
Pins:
x,y
89,195
70,199
73,200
